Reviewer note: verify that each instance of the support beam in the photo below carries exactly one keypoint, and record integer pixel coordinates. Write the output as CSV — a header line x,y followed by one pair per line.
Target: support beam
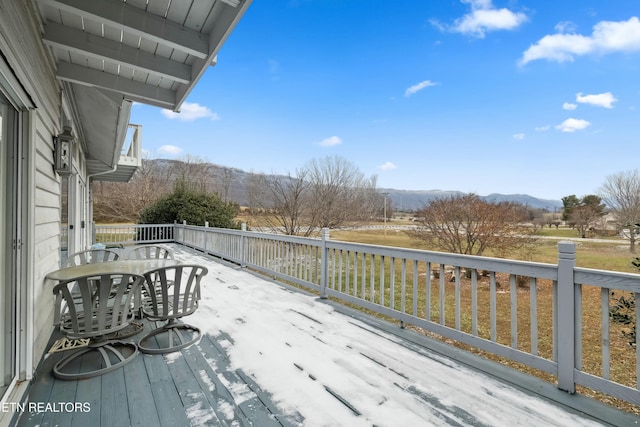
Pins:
x,y
101,48
132,90
234,3
227,21
122,16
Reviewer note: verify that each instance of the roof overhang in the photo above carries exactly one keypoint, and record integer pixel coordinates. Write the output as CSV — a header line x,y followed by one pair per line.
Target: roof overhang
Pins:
x,y
110,53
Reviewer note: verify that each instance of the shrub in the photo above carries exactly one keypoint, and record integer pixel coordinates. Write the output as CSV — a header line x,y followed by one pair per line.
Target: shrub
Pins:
x,y
196,206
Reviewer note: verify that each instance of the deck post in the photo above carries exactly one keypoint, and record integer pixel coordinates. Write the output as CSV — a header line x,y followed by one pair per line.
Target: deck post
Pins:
x,y
175,231
204,238
324,263
565,317
243,240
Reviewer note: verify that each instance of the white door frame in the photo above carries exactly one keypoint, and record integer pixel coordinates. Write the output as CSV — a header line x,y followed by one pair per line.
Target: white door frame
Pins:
x,y
18,245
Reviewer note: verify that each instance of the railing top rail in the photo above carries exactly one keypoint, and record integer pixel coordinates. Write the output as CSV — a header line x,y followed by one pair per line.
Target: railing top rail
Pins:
x,y
607,279
120,226
284,238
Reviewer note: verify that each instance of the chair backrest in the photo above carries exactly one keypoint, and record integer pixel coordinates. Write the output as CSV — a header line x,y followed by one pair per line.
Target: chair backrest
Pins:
x,y
97,305
149,252
91,256
172,292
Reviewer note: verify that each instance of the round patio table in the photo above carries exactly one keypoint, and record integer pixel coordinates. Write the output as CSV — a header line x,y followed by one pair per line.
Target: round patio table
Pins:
x,y
129,266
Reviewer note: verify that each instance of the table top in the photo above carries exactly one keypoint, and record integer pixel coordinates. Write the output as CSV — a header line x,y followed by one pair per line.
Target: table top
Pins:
x,y
130,266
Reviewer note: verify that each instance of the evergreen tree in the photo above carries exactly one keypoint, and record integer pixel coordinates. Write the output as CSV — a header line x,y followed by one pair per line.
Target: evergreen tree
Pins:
x,y
189,203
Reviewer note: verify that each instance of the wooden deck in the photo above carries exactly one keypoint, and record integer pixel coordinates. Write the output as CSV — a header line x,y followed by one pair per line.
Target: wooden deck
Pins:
x,y
204,384
153,390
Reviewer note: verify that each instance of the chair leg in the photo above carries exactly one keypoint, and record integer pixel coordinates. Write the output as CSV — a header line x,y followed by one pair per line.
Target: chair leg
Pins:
x,y
176,337
134,328
110,356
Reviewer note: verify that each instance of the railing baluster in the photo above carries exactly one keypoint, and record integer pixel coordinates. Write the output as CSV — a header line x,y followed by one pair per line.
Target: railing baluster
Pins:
x,y
347,273
392,282
493,305
605,334
382,272
364,277
372,276
403,280
474,302
514,310
340,270
533,314
457,296
442,295
427,309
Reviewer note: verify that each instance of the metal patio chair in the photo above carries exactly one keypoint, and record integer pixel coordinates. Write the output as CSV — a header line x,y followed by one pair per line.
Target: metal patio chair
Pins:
x,y
168,294
88,256
91,256
149,252
97,306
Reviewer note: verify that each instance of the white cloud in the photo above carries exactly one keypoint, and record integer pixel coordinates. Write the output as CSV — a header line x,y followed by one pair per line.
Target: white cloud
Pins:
x,y
484,17
190,112
605,100
607,37
418,87
170,150
569,106
387,166
543,128
518,136
331,141
565,27
572,125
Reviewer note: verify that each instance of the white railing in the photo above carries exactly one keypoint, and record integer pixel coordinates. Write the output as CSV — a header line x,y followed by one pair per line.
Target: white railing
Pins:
x,y
123,235
458,297
131,153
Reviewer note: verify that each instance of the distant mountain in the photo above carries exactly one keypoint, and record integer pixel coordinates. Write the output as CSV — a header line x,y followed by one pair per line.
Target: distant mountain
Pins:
x,y
525,199
408,200
232,183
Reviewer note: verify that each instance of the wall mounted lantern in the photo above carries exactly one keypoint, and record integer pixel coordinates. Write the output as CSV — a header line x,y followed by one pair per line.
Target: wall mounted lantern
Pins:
x,y
63,146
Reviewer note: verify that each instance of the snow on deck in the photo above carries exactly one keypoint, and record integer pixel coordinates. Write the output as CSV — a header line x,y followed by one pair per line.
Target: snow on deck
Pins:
x,y
324,368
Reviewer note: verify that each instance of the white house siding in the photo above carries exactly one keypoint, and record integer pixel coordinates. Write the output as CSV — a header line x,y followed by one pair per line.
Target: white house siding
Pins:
x,y
47,233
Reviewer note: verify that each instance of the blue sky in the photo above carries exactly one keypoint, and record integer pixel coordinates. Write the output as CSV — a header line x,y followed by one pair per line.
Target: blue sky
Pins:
x,y
522,96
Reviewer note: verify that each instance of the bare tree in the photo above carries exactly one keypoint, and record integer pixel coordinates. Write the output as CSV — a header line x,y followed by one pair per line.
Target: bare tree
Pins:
x,y
123,202
552,219
468,225
339,192
584,217
621,193
323,193
282,202
225,180
193,169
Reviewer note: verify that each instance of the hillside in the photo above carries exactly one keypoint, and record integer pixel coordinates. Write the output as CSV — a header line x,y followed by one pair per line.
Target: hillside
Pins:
x,y
232,182
407,200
